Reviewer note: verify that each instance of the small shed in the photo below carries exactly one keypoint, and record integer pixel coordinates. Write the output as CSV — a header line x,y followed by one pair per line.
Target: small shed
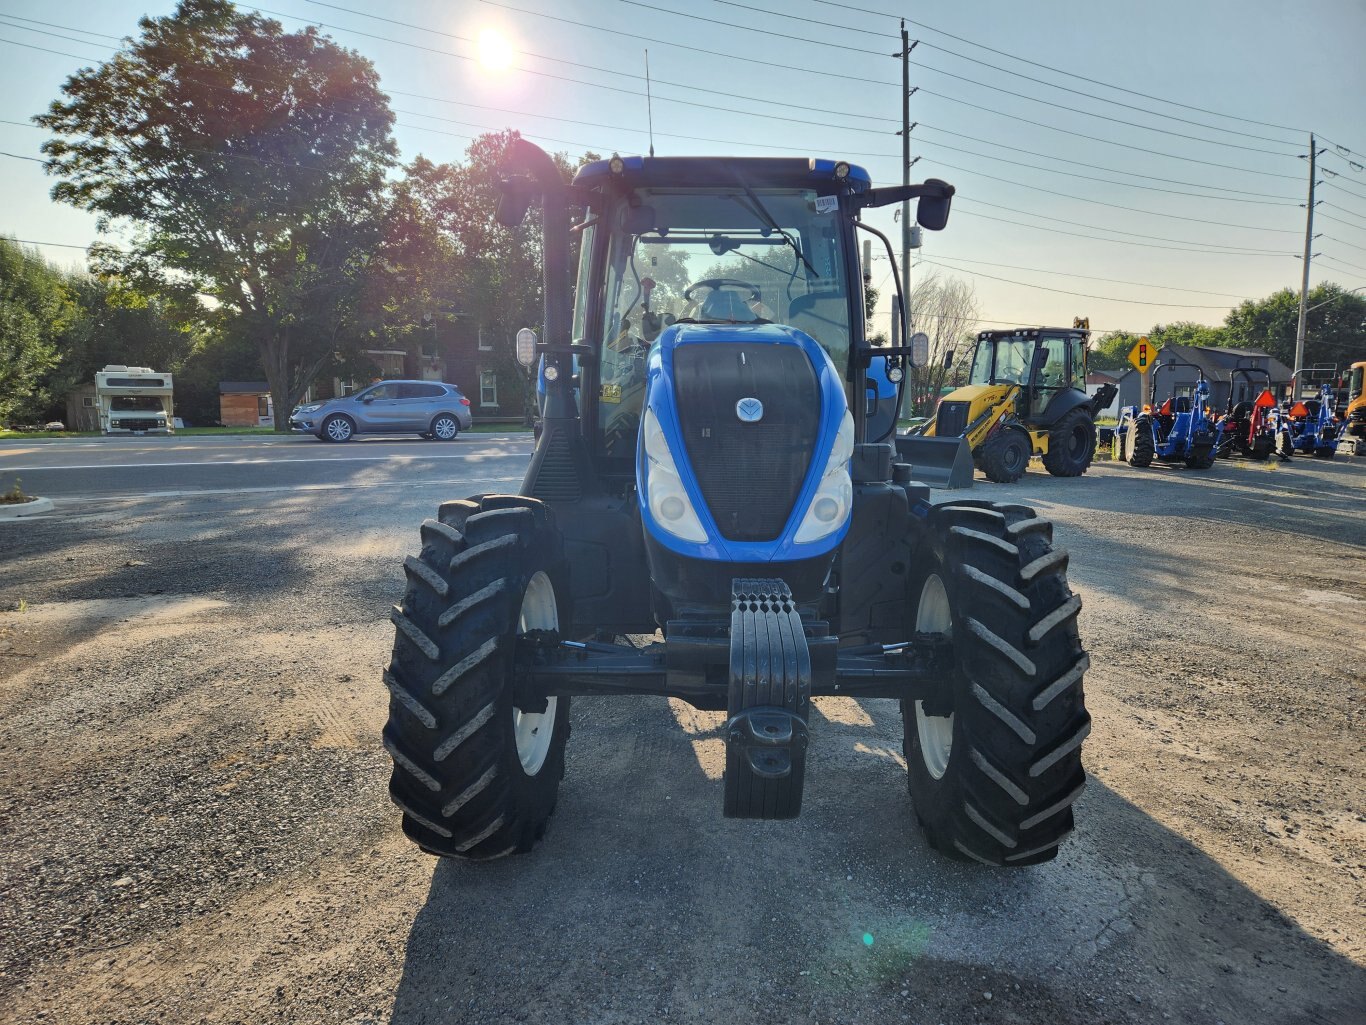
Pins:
x,y
82,414
245,404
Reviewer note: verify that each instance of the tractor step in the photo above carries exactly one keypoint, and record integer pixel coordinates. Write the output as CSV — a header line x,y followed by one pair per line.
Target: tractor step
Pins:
x,y
769,700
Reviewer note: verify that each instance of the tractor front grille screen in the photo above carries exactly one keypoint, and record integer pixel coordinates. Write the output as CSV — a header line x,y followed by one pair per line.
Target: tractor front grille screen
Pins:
x,y
951,420
750,473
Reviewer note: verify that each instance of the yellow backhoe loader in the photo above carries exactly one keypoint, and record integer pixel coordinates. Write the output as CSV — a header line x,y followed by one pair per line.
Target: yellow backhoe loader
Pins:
x,y
1026,396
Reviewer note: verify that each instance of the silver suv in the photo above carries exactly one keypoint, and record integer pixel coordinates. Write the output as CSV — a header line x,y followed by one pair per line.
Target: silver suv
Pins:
x,y
432,409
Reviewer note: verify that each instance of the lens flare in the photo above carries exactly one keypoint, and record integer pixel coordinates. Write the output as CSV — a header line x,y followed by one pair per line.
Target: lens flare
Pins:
x,y
495,52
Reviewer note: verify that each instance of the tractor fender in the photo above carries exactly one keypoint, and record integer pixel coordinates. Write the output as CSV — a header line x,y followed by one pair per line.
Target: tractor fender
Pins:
x,y
1063,403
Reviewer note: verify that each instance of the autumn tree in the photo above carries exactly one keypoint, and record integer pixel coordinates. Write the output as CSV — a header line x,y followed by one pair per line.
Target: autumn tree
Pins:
x,y
244,166
946,309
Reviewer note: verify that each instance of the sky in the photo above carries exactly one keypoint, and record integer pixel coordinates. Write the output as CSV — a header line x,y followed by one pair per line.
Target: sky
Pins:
x,y
1147,156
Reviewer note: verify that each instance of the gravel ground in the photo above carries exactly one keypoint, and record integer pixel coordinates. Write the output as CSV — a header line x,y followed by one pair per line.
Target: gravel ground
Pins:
x,y
196,828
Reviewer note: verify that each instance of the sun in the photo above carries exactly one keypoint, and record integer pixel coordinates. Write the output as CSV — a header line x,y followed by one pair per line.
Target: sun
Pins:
x,y
495,52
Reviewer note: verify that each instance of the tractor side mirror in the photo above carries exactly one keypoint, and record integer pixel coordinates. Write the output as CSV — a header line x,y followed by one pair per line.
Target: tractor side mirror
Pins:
x,y
948,359
932,212
1040,359
513,202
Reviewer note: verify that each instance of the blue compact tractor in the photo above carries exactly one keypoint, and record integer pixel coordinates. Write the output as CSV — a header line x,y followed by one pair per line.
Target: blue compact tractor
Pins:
x,y
1312,427
719,475
1177,431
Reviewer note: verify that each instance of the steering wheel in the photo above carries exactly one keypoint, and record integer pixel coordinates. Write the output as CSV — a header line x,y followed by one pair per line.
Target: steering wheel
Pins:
x,y
714,283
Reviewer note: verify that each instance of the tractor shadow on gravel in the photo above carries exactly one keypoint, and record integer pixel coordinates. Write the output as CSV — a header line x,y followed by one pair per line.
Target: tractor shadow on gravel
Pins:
x,y
644,904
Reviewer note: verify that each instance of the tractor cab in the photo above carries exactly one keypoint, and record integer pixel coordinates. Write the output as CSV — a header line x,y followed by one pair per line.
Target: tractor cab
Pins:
x,y
1252,424
1042,363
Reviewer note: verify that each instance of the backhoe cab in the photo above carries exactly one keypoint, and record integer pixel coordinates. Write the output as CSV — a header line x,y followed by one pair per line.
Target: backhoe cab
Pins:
x,y
715,472
1026,396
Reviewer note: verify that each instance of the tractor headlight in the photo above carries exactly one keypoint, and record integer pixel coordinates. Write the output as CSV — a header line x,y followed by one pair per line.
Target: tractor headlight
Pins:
x,y
664,492
834,497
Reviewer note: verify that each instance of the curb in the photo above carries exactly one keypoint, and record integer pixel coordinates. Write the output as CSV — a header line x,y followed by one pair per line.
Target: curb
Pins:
x,y
13,511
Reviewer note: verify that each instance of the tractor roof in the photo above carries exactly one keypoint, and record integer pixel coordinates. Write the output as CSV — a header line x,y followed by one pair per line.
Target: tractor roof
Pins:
x,y
1032,332
704,172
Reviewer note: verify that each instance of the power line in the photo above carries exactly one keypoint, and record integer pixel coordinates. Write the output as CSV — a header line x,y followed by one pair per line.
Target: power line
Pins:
x,y
1108,142
817,42
1093,178
1118,241
1282,200
1052,69
1339,220
1063,291
1117,206
32,242
1349,245
16,156
1088,277
1334,259
995,67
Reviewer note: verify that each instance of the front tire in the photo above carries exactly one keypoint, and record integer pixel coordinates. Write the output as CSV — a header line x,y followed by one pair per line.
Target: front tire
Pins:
x,y
1071,445
476,776
338,428
994,779
1005,456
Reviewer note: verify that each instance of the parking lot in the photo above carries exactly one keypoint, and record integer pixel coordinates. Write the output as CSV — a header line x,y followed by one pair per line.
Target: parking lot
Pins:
x,y
196,825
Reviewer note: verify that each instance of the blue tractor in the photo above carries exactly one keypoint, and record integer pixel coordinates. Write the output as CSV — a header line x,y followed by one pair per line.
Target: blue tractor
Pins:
x,y
1177,431
719,474
1312,427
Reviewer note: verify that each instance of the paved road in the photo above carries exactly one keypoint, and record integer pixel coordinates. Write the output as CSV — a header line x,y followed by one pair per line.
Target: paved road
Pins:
x,y
96,468
196,827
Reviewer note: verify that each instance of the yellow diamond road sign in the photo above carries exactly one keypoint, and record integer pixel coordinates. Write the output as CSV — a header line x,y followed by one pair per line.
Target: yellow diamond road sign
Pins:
x,y
1143,355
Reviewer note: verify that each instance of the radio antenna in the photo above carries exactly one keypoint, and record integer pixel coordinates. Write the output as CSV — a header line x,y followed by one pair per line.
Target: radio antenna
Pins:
x,y
649,103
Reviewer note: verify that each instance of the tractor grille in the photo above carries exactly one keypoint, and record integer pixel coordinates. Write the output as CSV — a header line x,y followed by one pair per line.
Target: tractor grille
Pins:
x,y
951,420
750,473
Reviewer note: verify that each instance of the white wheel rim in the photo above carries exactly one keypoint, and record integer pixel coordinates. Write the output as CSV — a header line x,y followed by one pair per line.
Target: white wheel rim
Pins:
x,y
339,430
935,731
445,428
535,730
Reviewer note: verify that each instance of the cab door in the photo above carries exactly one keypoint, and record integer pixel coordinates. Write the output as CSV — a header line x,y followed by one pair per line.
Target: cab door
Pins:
x,y
1052,374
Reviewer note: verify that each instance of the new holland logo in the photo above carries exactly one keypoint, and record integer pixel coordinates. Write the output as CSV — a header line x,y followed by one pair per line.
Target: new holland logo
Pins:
x,y
750,411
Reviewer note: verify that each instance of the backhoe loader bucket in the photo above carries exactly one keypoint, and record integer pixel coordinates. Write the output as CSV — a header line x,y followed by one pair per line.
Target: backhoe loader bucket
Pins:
x,y
939,462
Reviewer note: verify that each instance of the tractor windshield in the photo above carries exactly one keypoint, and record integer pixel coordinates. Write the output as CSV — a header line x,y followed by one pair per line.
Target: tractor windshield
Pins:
x,y
714,256
1354,389
1002,361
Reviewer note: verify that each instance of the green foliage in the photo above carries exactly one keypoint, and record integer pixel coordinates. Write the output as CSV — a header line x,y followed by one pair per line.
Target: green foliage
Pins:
x,y
247,164
35,307
1111,351
1334,333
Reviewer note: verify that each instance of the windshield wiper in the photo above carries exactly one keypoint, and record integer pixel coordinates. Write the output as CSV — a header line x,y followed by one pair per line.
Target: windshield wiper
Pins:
x,y
761,211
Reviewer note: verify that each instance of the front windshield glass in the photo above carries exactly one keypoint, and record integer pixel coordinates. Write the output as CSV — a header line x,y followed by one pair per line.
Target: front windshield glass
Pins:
x,y
136,403
1011,361
714,256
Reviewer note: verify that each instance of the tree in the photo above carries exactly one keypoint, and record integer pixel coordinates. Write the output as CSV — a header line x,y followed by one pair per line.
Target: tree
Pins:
x,y
248,166
35,306
946,310
1334,333
1110,351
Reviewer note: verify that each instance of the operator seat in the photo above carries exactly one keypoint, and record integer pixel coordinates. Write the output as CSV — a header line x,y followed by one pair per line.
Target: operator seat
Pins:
x,y
723,304
1182,404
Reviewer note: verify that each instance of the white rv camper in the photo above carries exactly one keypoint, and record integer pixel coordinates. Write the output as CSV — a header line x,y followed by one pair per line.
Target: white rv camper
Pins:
x,y
134,400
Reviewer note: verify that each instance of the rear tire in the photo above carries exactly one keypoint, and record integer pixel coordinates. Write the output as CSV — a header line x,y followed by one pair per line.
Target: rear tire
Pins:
x,y
1005,456
995,780
445,427
475,776
1141,449
1071,445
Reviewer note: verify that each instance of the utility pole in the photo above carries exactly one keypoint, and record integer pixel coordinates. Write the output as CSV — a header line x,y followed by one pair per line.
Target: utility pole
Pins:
x,y
1304,282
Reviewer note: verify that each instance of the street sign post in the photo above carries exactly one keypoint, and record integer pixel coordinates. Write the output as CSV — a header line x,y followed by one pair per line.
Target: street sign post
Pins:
x,y
1143,355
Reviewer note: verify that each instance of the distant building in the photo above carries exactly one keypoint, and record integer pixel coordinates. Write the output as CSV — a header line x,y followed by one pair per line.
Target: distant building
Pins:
x,y
1217,362
245,404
